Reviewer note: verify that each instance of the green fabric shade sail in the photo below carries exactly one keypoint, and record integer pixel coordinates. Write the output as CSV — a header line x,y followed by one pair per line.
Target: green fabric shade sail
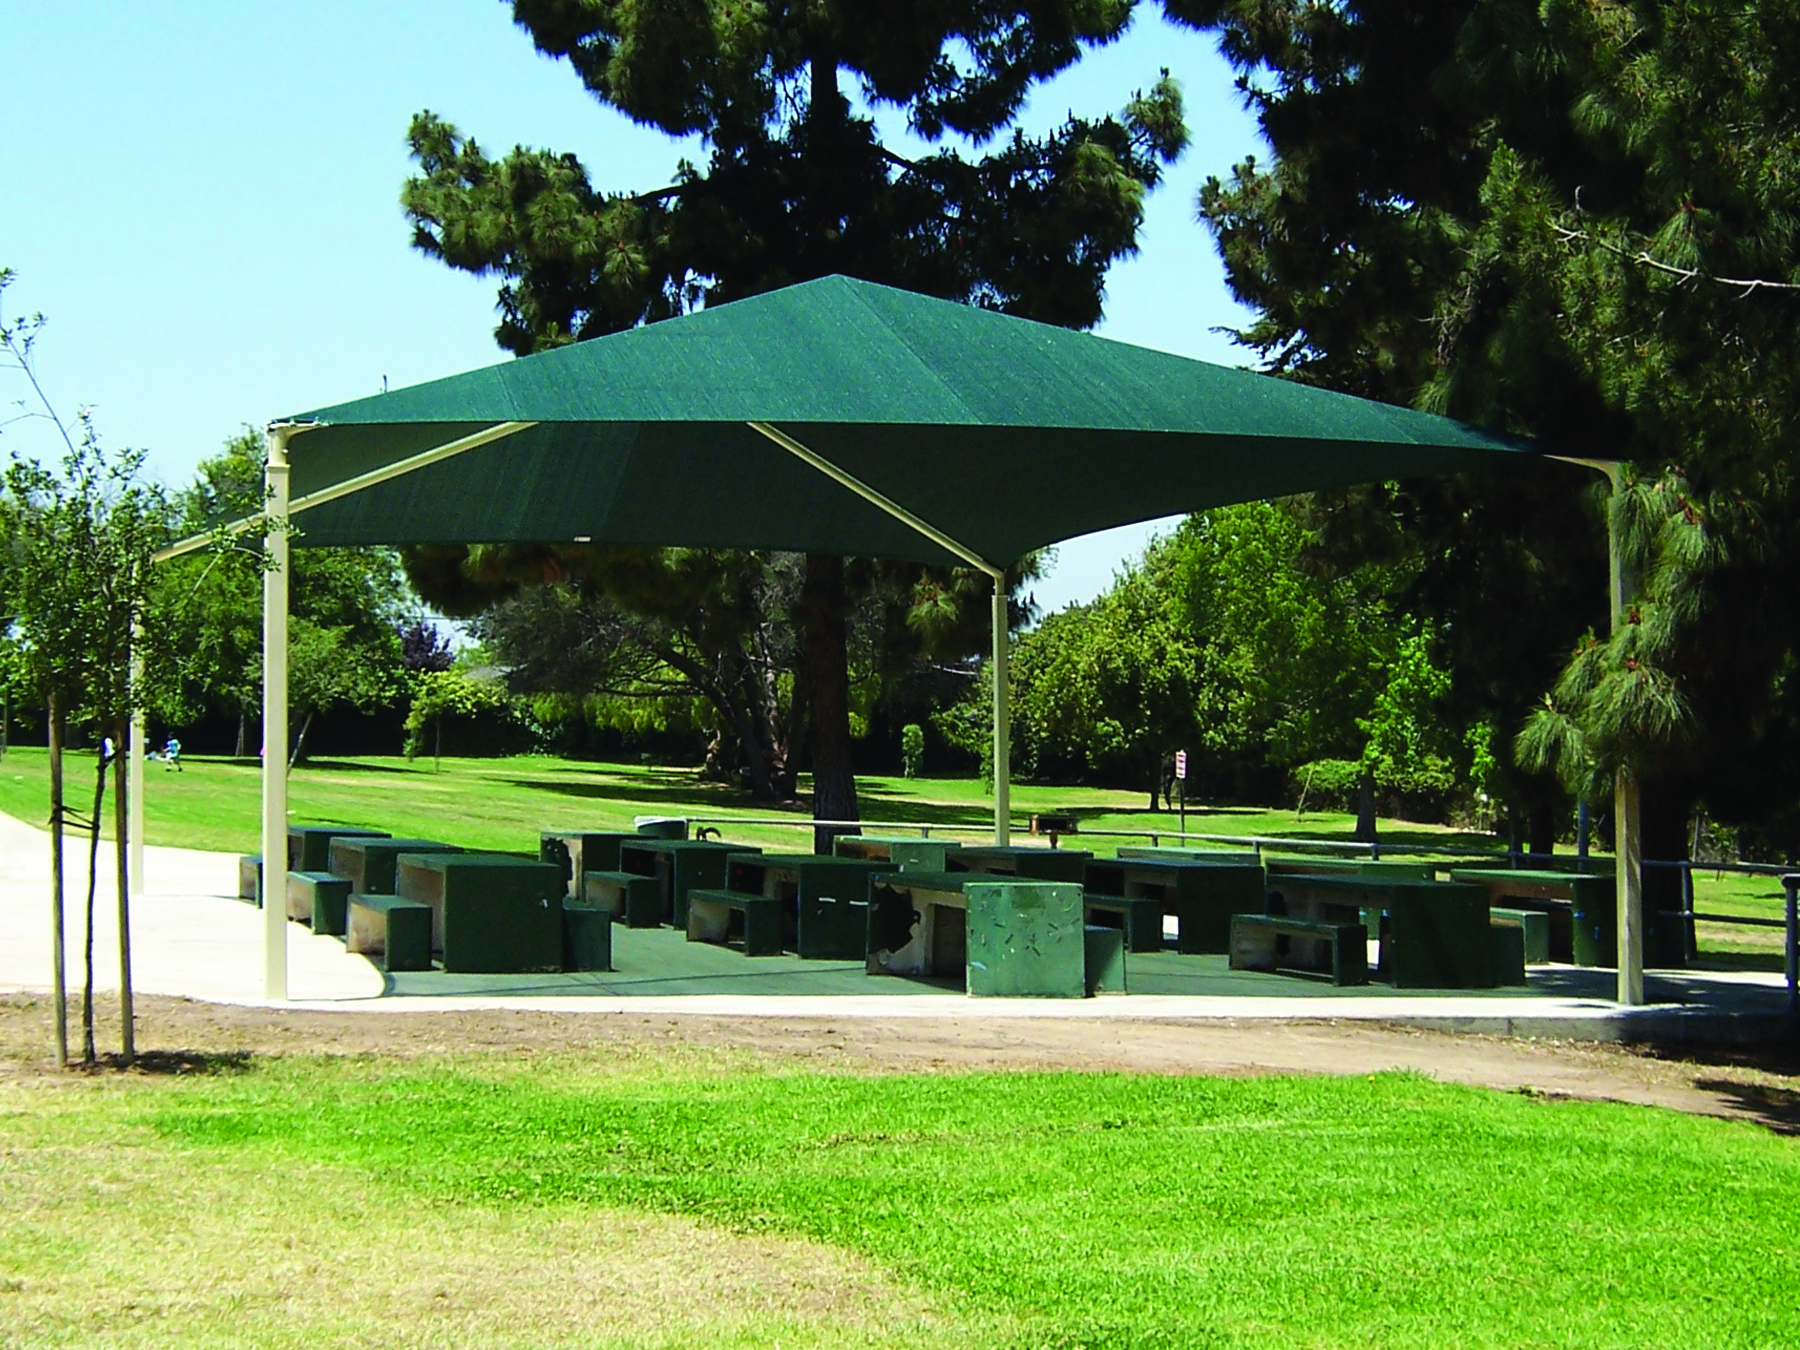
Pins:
x,y
830,417
1006,435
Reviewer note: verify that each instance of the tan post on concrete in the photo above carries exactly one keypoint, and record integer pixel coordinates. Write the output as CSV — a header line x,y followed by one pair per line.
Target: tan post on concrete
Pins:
x,y
135,765
1002,721
275,718
1627,812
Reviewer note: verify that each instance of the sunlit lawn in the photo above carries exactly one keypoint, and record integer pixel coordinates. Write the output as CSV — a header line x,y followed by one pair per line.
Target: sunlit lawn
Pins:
x,y
503,803
608,1199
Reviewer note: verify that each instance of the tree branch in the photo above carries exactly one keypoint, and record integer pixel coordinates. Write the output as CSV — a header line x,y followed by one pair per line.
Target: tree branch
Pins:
x,y
1745,284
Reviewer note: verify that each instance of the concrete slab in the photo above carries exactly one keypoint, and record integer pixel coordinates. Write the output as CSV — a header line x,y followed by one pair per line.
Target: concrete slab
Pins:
x,y
191,938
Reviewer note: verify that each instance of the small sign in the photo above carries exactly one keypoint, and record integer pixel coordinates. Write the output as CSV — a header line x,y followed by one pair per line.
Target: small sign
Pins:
x,y
1181,764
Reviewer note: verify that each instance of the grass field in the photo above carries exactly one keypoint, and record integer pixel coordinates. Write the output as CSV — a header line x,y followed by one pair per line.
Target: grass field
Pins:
x,y
503,803
696,1199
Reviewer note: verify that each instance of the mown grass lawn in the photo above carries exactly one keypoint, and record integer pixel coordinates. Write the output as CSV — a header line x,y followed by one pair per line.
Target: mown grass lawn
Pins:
x,y
503,803
692,1201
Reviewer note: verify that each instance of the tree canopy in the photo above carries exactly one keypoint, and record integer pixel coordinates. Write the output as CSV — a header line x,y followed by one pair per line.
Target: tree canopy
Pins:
x,y
797,184
1573,220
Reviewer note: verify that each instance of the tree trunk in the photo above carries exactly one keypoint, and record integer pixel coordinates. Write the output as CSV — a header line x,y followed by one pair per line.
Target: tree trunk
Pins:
x,y
1540,823
828,706
1665,835
59,980
300,741
437,743
1365,810
121,840
240,752
88,1055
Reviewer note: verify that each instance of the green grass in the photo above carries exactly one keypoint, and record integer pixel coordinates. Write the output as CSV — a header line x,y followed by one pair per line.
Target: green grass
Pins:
x,y
1024,1210
503,803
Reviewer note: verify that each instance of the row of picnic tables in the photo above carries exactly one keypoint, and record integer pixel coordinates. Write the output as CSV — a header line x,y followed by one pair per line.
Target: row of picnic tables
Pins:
x,y
925,907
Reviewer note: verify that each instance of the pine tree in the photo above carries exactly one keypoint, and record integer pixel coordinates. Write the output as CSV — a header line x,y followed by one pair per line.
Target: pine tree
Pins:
x,y
1572,220
798,184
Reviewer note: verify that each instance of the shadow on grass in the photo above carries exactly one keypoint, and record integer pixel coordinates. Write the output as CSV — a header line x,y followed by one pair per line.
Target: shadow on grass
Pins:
x,y
357,766
1777,1109
705,801
175,1063
1769,962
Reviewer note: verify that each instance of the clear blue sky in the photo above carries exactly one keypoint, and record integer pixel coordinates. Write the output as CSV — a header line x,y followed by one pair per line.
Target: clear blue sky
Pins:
x,y
203,197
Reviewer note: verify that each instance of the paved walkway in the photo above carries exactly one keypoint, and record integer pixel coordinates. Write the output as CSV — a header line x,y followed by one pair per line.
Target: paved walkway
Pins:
x,y
192,938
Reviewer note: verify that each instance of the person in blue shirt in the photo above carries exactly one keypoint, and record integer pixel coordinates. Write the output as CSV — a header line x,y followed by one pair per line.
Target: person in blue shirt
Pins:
x,y
172,755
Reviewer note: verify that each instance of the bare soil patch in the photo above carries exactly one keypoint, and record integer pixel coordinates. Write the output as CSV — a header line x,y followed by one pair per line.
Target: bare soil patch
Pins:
x,y
183,1036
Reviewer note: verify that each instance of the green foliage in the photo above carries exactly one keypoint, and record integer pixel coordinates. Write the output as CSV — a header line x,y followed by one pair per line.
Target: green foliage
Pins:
x,y
1594,206
75,572
1107,691
1327,785
347,606
438,694
912,749
797,183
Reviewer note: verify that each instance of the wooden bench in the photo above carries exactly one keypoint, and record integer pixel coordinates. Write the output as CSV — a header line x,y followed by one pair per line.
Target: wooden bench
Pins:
x,y
320,899
1140,916
396,930
1267,942
709,919
631,898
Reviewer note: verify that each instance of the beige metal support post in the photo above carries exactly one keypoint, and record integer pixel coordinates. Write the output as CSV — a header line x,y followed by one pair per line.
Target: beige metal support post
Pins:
x,y
1627,815
275,719
1002,721
135,767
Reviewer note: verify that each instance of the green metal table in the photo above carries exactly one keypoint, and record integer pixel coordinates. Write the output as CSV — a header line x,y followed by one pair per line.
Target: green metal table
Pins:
x,y
678,865
1202,896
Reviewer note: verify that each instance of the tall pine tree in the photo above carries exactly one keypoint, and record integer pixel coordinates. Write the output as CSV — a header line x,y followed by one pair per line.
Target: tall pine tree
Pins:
x,y
798,184
1576,220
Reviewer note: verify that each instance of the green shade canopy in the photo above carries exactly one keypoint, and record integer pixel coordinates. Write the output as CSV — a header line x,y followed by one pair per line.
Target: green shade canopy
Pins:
x,y
1004,434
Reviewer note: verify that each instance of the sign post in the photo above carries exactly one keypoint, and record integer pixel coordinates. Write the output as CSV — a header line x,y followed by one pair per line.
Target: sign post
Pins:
x,y
1181,788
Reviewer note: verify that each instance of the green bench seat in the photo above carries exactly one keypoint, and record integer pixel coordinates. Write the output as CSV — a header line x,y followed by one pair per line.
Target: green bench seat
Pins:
x,y
1509,954
1140,917
631,898
587,936
1536,926
1275,942
709,919
398,931
319,899
1103,959
250,878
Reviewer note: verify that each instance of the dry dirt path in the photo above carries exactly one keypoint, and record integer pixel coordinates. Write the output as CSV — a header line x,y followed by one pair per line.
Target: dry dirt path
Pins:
x,y
177,1035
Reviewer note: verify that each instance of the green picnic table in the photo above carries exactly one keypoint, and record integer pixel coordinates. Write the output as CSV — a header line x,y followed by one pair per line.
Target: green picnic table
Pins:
x,y
1583,908
823,899
904,852
1434,934
678,865
1201,895
1034,864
